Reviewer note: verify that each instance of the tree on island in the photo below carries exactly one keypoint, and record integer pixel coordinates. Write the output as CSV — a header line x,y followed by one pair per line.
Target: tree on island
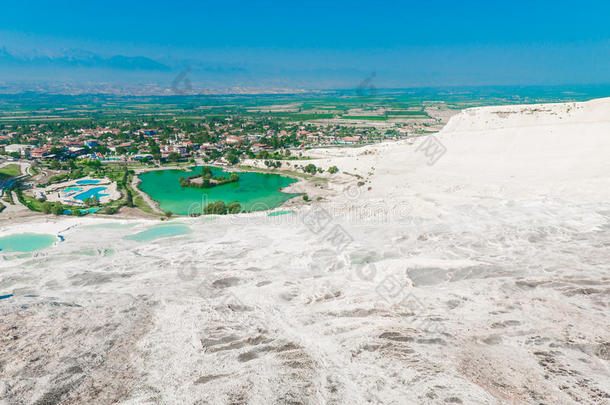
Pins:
x,y
206,172
208,180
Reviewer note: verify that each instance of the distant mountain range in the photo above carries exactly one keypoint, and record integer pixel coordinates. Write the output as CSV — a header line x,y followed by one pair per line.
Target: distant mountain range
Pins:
x,y
82,59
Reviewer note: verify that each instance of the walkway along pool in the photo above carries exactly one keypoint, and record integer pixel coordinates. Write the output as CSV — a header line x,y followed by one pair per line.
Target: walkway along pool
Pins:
x,y
254,191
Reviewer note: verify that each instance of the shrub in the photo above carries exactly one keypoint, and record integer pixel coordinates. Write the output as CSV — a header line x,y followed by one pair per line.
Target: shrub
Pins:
x,y
57,209
215,208
129,199
233,208
206,172
109,210
310,168
220,208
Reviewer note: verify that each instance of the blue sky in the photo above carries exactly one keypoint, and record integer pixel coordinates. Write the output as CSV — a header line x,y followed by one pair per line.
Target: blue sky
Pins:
x,y
330,44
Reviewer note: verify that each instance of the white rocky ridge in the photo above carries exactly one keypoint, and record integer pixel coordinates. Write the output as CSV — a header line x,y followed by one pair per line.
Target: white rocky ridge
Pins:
x,y
483,278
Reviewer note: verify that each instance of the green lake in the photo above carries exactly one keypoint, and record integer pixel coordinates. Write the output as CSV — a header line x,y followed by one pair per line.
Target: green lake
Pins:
x,y
26,242
254,191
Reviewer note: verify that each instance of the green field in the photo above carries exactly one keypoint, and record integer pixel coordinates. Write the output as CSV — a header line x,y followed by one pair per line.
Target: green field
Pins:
x,y
406,103
12,170
364,117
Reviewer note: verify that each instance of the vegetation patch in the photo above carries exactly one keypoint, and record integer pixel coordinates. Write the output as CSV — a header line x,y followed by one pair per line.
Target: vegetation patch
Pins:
x,y
206,180
12,170
220,208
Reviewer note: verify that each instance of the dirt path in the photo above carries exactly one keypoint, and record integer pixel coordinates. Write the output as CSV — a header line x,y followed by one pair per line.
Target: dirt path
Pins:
x,y
152,203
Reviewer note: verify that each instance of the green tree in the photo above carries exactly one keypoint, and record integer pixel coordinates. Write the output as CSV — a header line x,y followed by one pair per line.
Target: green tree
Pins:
x,y
206,172
215,208
310,168
234,207
129,199
232,157
47,207
57,209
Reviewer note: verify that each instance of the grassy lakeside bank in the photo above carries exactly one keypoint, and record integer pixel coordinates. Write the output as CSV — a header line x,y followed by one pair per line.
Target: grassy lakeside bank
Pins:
x,y
11,170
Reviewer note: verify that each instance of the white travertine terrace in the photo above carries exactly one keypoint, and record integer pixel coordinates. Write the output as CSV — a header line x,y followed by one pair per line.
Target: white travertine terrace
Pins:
x,y
483,278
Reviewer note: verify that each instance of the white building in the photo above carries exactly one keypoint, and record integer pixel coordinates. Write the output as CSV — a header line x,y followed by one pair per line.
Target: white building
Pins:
x,y
23,150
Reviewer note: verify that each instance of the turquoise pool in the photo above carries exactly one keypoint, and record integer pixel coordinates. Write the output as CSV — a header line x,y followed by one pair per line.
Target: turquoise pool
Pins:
x,y
160,231
87,181
83,211
26,242
92,192
72,189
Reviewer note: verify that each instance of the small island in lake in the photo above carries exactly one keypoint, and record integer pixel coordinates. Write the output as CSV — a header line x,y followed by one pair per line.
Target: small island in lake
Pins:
x,y
206,180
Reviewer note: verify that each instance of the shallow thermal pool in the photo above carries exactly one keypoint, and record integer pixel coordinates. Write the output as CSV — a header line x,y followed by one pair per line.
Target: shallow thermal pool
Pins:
x,y
26,242
278,213
160,231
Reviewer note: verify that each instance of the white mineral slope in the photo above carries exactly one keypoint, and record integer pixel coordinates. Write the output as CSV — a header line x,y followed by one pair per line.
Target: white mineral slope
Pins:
x,y
512,151
481,279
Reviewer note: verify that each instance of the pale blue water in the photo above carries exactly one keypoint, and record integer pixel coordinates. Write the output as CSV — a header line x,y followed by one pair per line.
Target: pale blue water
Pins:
x,y
26,242
277,213
95,191
160,231
87,181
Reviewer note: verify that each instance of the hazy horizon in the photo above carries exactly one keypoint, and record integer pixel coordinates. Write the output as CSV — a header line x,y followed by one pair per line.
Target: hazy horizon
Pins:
x,y
265,45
